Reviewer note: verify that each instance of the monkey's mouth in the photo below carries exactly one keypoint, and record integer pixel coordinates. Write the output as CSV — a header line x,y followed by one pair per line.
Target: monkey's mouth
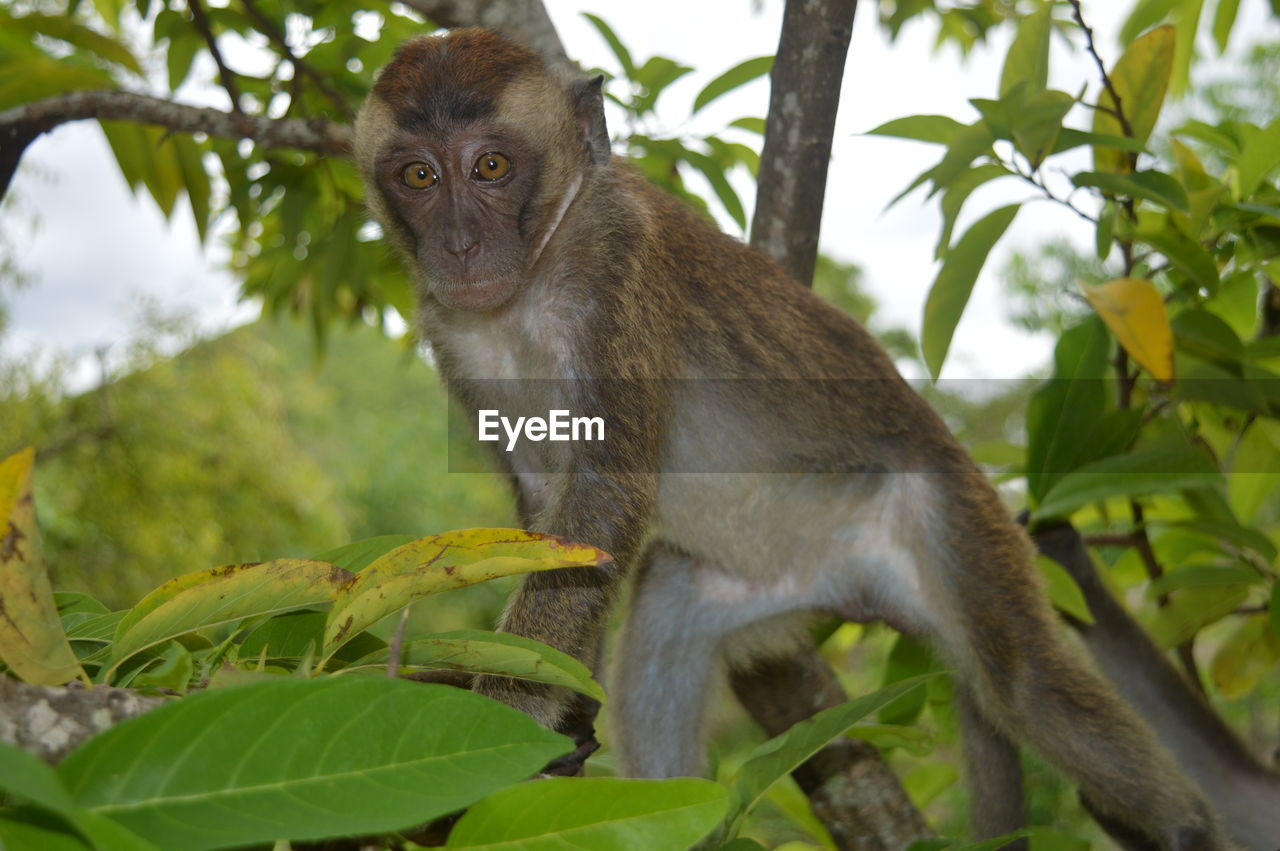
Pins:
x,y
483,294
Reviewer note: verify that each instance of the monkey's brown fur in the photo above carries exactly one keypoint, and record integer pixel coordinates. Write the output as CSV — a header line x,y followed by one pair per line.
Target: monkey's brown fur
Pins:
x,y
848,493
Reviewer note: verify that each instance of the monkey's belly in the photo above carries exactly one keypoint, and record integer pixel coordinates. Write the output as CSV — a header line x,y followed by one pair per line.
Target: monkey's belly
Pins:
x,y
859,546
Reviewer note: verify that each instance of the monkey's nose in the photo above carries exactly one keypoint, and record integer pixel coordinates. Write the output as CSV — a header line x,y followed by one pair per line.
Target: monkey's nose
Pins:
x,y
462,249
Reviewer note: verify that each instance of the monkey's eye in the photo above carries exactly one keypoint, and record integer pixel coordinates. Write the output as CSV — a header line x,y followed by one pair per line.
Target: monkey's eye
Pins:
x,y
420,176
491,166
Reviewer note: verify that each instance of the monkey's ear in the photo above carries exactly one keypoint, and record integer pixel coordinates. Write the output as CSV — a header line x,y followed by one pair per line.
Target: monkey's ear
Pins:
x,y
588,112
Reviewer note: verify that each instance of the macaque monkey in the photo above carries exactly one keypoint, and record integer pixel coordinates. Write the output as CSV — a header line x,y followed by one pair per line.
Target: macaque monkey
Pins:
x,y
763,460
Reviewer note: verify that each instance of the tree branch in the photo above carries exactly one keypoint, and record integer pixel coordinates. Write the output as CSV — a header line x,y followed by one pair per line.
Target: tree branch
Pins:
x,y
797,147
50,722
21,125
228,77
301,68
851,789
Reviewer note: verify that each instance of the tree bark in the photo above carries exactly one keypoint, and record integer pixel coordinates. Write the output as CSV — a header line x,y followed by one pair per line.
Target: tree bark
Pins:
x,y
802,118
51,721
851,789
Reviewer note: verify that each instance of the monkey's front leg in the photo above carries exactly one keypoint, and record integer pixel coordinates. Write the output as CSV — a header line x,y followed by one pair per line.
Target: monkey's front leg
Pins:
x,y
567,609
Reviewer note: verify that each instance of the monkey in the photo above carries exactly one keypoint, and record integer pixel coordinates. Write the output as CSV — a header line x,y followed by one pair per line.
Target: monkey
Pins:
x,y
763,460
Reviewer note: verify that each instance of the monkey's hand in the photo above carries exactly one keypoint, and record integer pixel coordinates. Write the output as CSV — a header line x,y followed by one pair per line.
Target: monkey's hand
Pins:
x,y
554,708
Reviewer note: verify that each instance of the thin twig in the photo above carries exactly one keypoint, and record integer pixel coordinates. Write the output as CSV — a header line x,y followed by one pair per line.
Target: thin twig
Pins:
x,y
228,77
1102,69
1050,196
1111,539
300,66
396,646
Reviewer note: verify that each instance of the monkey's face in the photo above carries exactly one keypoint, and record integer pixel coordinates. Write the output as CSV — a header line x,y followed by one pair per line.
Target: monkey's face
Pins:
x,y
459,206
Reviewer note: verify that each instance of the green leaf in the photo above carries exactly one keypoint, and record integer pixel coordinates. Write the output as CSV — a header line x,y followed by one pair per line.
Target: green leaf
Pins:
x,y
776,758
1106,230
1185,254
620,51
1070,138
1065,410
224,595
1187,17
1140,78
70,602
29,779
1037,123
751,123
1200,333
1248,654
1138,473
1145,14
1193,609
172,669
1259,156
498,653
740,74
956,194
908,658
1028,57
600,813
914,740
195,179
38,76
356,556
720,185
35,830
1064,592
950,291
1149,185
63,28
180,54
443,562
1224,18
304,759
1202,576
654,76
967,144
939,129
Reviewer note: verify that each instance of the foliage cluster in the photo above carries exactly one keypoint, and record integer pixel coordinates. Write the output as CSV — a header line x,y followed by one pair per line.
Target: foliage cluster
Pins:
x,y
299,726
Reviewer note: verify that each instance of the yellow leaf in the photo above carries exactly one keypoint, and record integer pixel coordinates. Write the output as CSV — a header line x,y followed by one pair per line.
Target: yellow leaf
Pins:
x,y
440,563
1134,311
1141,79
32,642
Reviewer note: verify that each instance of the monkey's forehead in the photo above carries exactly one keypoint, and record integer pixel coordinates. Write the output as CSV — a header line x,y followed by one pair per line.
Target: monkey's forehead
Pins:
x,y
459,76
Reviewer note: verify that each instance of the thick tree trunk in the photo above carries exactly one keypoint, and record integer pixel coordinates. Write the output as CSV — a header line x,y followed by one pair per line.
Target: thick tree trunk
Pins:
x,y
802,118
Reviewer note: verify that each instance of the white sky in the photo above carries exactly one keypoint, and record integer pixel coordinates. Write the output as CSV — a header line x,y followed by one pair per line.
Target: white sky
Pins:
x,y
98,250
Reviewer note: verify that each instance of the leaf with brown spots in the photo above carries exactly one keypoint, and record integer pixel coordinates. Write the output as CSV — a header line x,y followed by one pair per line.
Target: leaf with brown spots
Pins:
x,y
441,563
224,595
32,642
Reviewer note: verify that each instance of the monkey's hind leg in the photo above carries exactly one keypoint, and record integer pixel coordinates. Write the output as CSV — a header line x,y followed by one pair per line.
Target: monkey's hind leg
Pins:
x,y
683,614
1037,688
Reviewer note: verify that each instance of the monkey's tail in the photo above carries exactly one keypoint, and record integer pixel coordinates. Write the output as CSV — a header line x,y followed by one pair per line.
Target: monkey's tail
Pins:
x,y
1031,685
